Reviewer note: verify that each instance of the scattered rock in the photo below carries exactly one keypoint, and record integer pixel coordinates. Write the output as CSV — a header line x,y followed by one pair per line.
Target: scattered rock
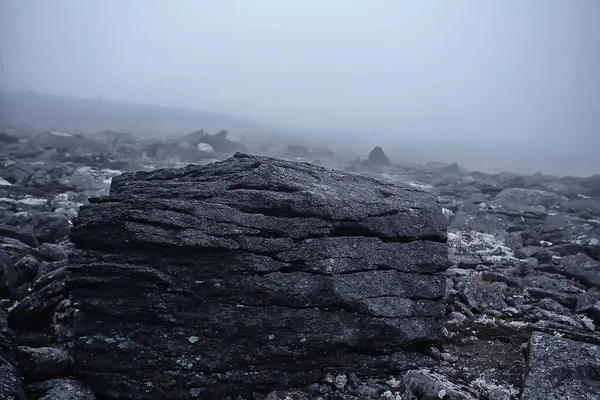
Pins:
x,y
523,252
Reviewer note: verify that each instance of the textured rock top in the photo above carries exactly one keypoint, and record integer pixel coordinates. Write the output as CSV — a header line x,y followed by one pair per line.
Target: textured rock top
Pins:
x,y
247,194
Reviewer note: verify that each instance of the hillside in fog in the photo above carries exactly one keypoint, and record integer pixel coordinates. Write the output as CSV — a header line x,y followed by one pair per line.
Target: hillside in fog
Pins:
x,y
70,114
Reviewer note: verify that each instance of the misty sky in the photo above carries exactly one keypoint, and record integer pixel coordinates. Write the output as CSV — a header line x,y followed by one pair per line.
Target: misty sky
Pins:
x,y
491,72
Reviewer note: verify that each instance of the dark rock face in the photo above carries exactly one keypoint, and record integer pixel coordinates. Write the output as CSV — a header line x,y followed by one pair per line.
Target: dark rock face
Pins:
x,y
561,369
377,158
11,382
45,226
9,276
251,273
61,389
44,362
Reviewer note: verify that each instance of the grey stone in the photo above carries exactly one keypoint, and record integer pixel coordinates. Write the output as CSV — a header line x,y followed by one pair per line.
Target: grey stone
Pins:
x,y
559,368
582,268
62,389
427,385
43,363
481,295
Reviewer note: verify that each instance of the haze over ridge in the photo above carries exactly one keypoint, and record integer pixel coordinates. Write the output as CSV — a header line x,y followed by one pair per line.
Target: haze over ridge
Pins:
x,y
511,83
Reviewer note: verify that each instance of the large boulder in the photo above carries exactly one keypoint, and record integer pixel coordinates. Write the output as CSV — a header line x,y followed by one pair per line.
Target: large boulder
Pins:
x,y
68,147
250,274
560,368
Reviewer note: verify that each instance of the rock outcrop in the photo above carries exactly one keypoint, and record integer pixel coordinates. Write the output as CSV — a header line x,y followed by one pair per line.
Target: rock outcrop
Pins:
x,y
377,158
249,274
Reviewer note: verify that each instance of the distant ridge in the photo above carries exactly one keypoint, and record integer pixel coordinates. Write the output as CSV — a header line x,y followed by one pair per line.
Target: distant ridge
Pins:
x,y
72,114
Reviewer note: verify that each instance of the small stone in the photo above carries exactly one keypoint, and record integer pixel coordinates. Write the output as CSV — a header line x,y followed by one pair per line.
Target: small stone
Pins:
x,y
53,252
354,381
27,267
62,389
44,363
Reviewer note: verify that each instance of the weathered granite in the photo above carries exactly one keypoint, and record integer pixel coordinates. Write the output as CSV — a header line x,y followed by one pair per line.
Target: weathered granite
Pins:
x,y
249,274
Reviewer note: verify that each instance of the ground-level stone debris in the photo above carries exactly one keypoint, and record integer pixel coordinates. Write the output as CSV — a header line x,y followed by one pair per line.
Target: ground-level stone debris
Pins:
x,y
523,258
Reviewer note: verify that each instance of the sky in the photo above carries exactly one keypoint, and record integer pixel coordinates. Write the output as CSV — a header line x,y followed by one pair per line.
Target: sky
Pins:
x,y
495,75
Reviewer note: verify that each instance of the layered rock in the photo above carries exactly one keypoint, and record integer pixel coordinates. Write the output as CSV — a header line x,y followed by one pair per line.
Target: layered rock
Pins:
x,y
249,274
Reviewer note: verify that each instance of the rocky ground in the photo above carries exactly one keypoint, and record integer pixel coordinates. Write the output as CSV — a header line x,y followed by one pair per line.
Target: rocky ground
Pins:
x,y
522,298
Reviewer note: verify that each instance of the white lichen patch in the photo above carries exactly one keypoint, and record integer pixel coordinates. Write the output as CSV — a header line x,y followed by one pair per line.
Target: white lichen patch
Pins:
x,y
485,320
393,382
193,339
185,362
517,324
489,247
341,380
587,322
493,389
388,394
510,310
27,200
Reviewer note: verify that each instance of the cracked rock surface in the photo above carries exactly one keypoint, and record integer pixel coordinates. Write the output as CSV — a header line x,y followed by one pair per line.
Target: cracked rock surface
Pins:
x,y
250,273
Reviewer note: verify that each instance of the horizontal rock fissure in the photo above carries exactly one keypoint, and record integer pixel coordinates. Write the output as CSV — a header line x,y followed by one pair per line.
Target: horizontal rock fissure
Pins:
x,y
355,232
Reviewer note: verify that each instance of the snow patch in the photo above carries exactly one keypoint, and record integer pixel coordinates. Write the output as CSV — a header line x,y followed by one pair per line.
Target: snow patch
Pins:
x,y
491,248
63,134
4,182
205,147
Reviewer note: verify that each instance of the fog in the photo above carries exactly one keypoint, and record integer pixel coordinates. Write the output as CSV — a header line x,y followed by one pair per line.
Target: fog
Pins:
x,y
507,84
